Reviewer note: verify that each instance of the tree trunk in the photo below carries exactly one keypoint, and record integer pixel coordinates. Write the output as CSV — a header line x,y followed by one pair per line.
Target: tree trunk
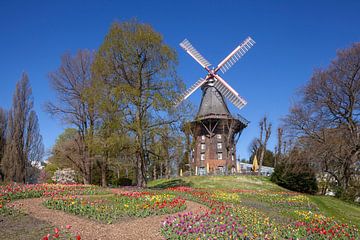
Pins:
x,y
167,166
140,170
154,172
87,173
264,128
161,170
262,154
103,173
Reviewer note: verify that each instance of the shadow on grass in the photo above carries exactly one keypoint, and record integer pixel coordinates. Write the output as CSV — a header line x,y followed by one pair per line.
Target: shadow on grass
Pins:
x,y
172,183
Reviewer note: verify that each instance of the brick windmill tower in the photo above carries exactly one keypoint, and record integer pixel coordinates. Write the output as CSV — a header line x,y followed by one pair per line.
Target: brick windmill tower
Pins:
x,y
215,130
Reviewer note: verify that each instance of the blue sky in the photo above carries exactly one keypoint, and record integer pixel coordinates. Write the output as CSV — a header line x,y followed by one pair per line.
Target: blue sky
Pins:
x,y
293,38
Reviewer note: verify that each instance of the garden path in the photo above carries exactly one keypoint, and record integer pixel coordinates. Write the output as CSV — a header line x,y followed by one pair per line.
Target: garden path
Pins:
x,y
140,228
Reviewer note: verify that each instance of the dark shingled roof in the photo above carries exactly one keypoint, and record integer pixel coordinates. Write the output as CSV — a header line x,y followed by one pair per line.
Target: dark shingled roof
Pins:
x,y
212,104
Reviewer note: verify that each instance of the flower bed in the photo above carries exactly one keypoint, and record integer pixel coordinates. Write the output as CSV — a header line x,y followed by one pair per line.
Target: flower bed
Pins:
x,y
62,233
229,219
110,209
11,192
14,191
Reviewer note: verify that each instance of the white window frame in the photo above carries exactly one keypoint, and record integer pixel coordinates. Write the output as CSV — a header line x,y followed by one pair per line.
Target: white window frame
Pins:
x,y
219,155
218,136
202,146
219,145
202,137
202,156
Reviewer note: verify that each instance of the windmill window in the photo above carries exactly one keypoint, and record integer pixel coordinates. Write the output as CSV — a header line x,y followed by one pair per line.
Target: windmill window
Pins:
x,y
220,156
219,146
203,146
202,156
203,138
218,136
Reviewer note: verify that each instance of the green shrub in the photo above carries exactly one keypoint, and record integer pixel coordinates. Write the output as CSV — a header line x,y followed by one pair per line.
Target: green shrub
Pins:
x,y
294,178
124,181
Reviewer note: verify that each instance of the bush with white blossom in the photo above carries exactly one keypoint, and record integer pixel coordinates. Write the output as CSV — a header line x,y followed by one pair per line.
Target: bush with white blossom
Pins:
x,y
64,176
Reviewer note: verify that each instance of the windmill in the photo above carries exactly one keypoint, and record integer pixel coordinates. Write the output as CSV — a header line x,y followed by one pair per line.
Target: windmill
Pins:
x,y
215,131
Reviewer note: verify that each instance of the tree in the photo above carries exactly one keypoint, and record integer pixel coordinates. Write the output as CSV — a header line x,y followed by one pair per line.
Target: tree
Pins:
x,y
139,66
3,127
66,153
327,116
265,132
109,142
279,147
296,173
24,146
254,148
74,106
269,158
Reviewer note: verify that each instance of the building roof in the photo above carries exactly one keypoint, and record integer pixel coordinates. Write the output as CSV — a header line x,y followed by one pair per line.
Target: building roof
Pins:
x,y
212,104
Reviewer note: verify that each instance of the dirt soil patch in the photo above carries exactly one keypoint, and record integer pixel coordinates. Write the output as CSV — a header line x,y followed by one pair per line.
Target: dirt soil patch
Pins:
x,y
22,226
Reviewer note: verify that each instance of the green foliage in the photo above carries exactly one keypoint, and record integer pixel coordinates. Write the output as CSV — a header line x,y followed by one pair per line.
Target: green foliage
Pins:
x,y
58,160
269,158
290,177
134,71
163,184
123,181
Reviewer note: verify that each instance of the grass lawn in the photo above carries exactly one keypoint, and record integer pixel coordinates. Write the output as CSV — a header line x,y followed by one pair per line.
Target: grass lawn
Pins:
x,y
224,182
329,206
339,209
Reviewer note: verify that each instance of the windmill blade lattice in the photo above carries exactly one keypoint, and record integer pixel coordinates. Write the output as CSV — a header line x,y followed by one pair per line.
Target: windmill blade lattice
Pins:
x,y
186,45
235,55
230,94
189,91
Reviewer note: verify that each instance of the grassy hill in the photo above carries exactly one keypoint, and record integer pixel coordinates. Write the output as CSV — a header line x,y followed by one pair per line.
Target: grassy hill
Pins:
x,y
225,182
263,195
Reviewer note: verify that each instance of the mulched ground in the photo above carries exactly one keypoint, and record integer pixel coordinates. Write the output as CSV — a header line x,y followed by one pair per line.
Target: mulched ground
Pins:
x,y
141,228
22,226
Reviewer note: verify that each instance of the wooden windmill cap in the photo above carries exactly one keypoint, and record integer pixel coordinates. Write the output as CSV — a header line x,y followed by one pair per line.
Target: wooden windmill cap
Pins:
x,y
212,104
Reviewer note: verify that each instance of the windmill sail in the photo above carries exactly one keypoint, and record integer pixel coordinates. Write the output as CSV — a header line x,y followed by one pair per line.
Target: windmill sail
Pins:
x,y
189,91
229,93
224,88
186,45
235,55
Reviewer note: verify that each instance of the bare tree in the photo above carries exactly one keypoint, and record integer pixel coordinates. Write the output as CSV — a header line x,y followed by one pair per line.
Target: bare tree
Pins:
x,y
24,146
328,116
3,127
73,106
254,148
279,147
265,132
